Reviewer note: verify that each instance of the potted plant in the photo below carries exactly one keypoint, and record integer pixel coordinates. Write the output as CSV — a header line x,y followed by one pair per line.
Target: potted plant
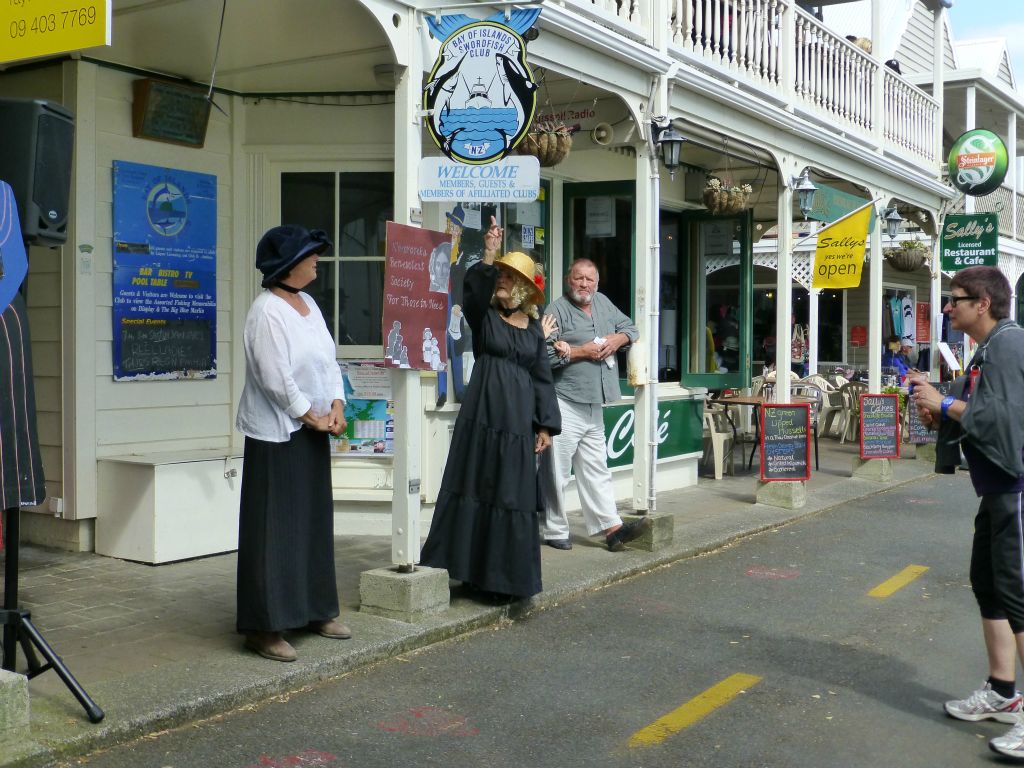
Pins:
x,y
722,197
549,141
908,256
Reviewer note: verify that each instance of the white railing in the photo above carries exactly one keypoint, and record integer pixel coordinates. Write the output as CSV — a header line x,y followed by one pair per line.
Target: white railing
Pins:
x,y
627,16
910,116
831,74
740,35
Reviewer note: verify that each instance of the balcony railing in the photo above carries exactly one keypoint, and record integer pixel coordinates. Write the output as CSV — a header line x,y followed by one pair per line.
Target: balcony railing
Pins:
x,y
781,49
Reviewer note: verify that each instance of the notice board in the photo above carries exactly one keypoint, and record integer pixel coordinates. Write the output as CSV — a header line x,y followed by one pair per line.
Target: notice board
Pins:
x,y
785,441
880,426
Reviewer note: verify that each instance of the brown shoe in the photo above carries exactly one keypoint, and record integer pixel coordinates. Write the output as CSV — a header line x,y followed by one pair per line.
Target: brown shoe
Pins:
x,y
331,628
270,645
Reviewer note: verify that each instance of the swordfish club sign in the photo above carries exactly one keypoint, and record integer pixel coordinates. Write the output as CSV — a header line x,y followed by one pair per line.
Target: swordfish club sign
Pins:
x,y
481,96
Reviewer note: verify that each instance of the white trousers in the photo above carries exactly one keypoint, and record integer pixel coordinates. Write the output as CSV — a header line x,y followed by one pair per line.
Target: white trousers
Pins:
x,y
581,448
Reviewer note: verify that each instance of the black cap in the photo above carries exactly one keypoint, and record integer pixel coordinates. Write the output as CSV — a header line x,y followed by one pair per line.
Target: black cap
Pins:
x,y
281,248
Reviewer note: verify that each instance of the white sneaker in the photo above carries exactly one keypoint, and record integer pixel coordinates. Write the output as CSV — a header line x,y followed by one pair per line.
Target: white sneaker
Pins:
x,y
1011,743
986,704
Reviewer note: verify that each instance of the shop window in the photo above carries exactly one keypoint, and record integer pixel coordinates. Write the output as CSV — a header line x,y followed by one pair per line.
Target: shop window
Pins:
x,y
353,208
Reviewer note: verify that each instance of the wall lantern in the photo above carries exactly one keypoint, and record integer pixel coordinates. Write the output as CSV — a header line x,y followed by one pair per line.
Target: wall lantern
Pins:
x,y
892,220
670,143
805,189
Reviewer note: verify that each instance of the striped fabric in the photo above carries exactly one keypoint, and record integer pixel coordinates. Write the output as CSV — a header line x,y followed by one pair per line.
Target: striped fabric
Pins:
x,y
21,470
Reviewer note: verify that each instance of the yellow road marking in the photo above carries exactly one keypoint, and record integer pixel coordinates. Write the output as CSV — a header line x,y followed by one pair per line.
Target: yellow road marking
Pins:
x,y
898,582
697,708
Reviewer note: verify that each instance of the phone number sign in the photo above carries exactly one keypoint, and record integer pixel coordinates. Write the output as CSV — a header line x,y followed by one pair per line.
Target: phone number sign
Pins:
x,y
34,28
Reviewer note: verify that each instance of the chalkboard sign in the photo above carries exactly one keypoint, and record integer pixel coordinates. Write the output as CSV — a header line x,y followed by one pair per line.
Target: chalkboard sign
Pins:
x,y
162,346
880,426
785,442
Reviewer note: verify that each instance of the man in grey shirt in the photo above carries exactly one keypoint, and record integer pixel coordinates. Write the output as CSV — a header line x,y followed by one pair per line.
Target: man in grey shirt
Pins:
x,y
591,329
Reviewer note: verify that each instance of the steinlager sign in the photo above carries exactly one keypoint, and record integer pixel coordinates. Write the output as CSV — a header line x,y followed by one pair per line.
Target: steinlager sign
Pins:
x,y
977,162
970,240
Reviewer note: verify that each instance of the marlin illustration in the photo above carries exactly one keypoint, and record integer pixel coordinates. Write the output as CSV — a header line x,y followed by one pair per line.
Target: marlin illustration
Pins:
x,y
438,83
524,90
447,148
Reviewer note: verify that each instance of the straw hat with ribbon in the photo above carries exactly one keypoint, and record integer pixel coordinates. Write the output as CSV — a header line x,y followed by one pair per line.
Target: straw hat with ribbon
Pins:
x,y
521,265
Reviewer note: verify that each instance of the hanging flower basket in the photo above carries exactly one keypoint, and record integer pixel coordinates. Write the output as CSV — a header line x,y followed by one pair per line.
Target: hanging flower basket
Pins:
x,y
549,143
721,198
906,259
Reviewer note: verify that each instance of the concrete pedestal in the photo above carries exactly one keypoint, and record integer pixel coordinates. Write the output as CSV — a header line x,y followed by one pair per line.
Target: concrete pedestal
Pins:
x,y
926,452
406,597
790,494
658,537
879,470
13,703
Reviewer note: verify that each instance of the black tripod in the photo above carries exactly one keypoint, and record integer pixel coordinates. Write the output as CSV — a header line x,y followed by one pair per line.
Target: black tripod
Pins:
x,y
18,626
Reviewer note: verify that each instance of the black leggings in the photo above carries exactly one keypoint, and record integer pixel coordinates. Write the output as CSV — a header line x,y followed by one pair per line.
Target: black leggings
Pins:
x,y
997,559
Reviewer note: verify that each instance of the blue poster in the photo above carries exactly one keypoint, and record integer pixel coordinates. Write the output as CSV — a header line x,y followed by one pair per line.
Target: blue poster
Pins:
x,y
165,273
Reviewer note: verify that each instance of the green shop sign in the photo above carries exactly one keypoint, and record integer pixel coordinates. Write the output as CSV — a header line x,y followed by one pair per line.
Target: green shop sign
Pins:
x,y
970,240
977,162
679,430
831,204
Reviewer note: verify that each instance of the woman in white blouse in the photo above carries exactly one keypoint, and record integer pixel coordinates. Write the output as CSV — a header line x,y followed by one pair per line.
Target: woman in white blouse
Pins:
x,y
293,397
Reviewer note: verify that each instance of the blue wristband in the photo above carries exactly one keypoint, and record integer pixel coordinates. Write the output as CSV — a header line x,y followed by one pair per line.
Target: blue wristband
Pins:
x,y
947,401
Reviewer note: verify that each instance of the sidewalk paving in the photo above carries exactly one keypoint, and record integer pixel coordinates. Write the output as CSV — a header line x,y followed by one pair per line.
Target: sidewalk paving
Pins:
x,y
155,647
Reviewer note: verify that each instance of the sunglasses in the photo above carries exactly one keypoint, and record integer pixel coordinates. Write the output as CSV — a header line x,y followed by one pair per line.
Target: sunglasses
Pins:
x,y
954,300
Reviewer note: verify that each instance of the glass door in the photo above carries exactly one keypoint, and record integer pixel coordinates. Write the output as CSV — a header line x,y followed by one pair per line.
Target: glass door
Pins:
x,y
715,259
598,225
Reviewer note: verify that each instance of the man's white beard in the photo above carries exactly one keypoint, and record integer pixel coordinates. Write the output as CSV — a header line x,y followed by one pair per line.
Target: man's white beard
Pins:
x,y
581,298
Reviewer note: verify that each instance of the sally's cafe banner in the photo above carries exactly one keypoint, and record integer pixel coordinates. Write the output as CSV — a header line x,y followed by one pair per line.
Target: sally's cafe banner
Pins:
x,y
839,257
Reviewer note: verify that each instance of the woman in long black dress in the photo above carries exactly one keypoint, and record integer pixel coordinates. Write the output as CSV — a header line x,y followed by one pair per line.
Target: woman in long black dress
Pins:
x,y
485,527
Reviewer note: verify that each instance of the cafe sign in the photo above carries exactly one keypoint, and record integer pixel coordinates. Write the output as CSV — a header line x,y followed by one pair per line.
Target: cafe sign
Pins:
x,y
977,162
679,430
969,240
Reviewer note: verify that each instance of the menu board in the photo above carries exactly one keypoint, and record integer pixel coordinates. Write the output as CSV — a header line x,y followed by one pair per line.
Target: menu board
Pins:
x,y
785,442
917,432
880,426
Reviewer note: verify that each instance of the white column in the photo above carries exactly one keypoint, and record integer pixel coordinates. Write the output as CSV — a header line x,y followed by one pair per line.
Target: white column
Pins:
x,y
935,307
787,53
938,79
405,502
969,118
812,330
875,307
1011,146
783,289
878,87
647,266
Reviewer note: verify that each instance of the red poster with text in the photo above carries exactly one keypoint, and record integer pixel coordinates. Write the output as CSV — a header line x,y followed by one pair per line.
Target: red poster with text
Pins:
x,y
923,331
415,297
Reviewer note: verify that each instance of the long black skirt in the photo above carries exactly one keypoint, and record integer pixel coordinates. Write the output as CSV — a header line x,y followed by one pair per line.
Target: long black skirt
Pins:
x,y
286,535
21,470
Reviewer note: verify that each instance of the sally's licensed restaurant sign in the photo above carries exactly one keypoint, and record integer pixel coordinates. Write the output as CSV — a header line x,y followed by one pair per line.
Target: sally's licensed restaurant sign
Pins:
x,y
970,240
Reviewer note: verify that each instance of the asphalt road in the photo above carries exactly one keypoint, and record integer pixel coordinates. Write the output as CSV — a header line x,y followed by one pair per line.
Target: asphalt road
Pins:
x,y
770,652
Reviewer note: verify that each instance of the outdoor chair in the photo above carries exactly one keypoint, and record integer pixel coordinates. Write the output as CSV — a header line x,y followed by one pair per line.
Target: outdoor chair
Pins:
x,y
720,438
851,392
